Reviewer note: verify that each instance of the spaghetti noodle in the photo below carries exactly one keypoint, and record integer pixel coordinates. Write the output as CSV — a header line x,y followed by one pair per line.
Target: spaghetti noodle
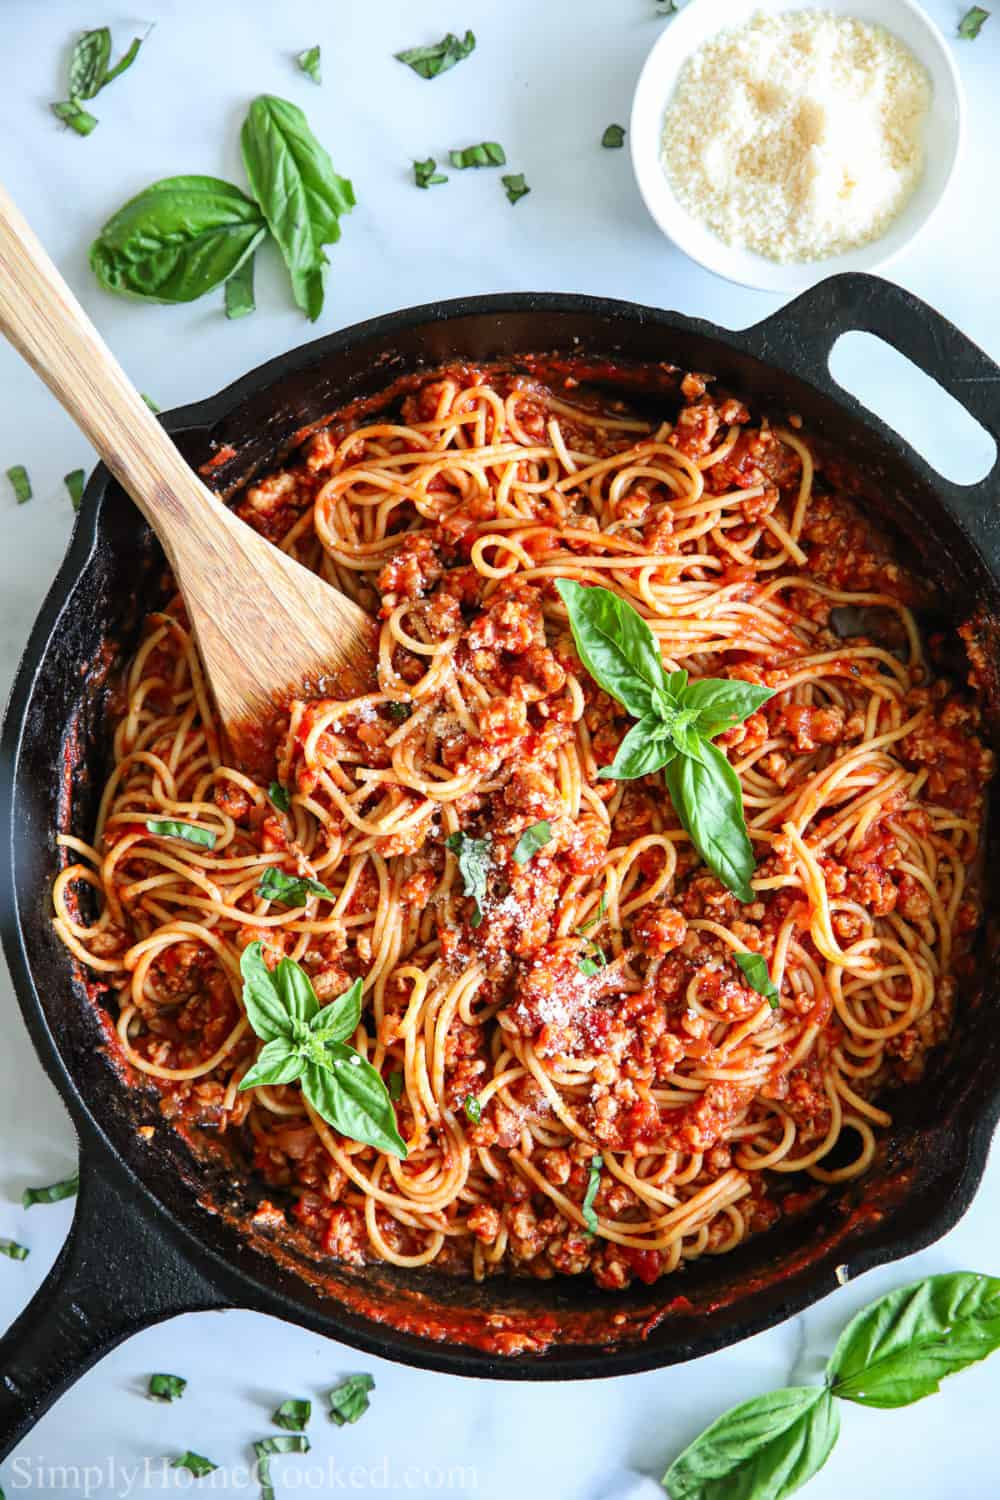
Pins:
x,y
519,1067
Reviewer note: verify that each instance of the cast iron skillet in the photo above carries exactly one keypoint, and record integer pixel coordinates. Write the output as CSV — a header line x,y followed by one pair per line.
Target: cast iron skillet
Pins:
x,y
156,1233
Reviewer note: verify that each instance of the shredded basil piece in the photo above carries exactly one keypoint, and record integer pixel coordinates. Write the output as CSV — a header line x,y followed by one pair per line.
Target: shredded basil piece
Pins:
x,y
169,828
515,186
166,1387
426,174
74,483
396,1081
13,1250
473,857
72,113
278,796
758,977
265,1448
89,74
349,1400
613,137
486,154
195,1463
54,1193
293,1415
239,291
429,62
973,22
309,62
473,1108
531,840
20,483
593,1183
151,404
290,890
400,712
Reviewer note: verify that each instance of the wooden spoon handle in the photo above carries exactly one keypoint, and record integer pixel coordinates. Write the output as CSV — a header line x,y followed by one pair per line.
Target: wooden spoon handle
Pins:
x,y
45,323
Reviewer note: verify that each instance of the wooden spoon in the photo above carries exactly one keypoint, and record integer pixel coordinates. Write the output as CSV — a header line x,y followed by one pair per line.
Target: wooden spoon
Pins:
x,y
268,630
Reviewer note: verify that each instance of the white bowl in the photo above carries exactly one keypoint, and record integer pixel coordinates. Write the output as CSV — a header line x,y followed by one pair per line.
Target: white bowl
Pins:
x,y
702,19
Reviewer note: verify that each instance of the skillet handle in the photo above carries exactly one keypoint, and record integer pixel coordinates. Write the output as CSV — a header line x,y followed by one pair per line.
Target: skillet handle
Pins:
x,y
116,1274
801,335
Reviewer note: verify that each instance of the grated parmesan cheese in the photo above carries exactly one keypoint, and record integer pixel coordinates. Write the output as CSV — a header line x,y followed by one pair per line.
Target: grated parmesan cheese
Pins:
x,y
797,135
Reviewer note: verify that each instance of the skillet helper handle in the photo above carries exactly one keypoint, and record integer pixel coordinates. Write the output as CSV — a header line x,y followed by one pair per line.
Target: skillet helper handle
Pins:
x,y
116,1274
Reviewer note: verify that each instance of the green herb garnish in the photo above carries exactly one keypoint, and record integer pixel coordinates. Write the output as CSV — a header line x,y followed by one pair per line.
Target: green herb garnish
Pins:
x,y
239,291
593,1183
473,1108
400,712
309,62
74,483
278,796
613,137
293,1415
72,113
677,722
758,977
195,1463
531,840
515,186
20,483
151,404
486,154
972,23
169,828
473,857
54,1193
306,1044
13,1250
264,1450
396,1081
290,890
89,74
166,1387
595,960
349,1399
426,174
429,62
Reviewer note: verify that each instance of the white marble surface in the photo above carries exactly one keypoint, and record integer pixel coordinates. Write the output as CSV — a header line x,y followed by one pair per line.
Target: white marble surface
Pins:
x,y
547,76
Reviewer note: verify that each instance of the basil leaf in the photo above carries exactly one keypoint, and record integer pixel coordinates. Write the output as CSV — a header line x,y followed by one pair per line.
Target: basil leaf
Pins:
x,y
593,963
486,154
177,240
425,175
309,62
531,840
151,404
351,1097
602,907
645,749
429,62
74,483
195,1463
763,1449
278,796
758,977
349,1400
593,1183
279,1062
301,195
473,1108
613,137
262,1002
88,65
295,991
13,1250
901,1347
125,62
239,291
169,828
54,1193
399,712
290,890
396,1082
722,702
265,1448
473,857
615,645
972,23
293,1415
73,114
166,1387
708,799
20,483
515,186
339,1020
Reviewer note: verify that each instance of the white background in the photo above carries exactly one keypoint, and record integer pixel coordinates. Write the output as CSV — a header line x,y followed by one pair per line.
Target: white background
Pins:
x,y
546,78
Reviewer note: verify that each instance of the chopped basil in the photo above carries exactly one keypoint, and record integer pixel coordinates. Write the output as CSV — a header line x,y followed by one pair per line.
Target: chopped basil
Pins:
x,y
425,173
972,23
13,1250
72,113
396,1081
399,711
169,828
20,483
473,1108
473,857
265,1448
593,1183
613,137
89,74
758,977
195,1463
531,840
293,1415
166,1387
74,483
593,963
602,907
515,186
309,62
429,62
239,291
54,1193
349,1399
486,154
151,404
278,796
290,890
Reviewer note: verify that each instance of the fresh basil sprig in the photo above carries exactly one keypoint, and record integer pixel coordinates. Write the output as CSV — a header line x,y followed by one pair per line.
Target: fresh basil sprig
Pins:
x,y
893,1353
473,857
307,1044
349,1400
301,195
758,977
429,62
677,721
290,890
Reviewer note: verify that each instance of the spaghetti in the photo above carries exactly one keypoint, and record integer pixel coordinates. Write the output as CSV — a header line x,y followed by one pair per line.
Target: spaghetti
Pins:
x,y
519,1067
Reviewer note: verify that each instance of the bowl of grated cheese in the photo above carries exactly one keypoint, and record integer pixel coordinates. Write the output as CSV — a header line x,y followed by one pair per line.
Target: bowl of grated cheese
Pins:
x,y
776,144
